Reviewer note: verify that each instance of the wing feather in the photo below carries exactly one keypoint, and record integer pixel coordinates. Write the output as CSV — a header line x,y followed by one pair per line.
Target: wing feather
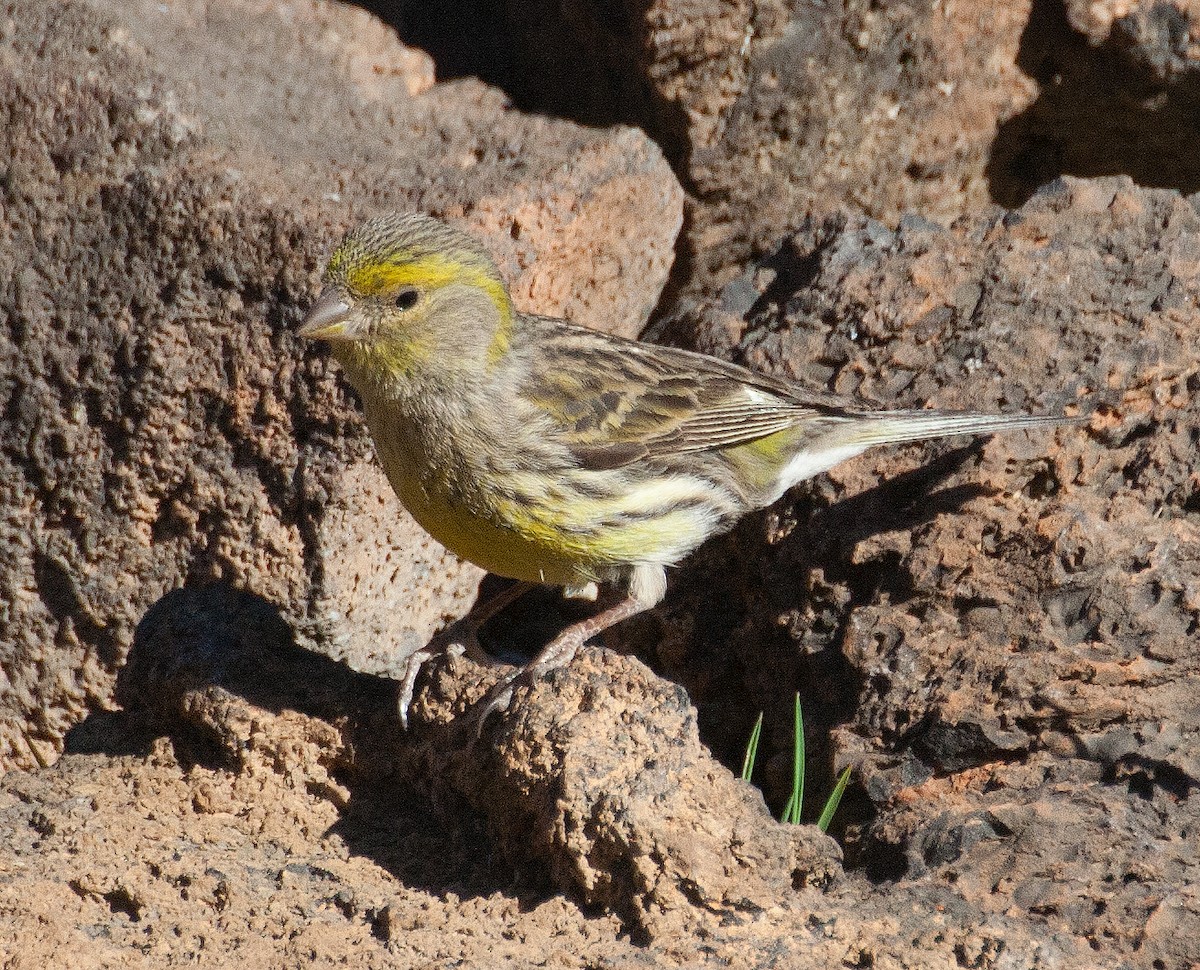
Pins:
x,y
630,401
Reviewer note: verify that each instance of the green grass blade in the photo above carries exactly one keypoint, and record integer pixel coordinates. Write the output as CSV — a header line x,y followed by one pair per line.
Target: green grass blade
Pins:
x,y
835,799
795,804
752,749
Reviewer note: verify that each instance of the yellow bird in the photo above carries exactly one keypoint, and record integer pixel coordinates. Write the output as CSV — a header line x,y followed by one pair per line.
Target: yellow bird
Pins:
x,y
549,453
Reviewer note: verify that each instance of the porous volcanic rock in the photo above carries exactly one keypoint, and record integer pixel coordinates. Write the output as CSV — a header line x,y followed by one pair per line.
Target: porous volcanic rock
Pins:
x,y
284,816
1003,639
772,110
997,636
997,639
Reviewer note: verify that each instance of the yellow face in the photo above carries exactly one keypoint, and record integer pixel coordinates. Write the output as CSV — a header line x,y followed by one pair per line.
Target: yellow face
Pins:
x,y
406,292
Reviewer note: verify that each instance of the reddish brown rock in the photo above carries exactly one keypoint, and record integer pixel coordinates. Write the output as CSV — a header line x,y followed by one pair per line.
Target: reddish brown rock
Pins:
x,y
1003,639
998,639
1097,19
1116,94
772,111
602,784
286,813
998,636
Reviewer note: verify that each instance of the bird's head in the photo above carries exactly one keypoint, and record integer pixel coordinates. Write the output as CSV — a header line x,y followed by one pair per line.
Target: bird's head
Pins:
x,y
408,296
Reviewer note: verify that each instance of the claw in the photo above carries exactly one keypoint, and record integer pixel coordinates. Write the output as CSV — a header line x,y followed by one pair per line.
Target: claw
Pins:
x,y
412,667
557,653
454,641
458,638
496,701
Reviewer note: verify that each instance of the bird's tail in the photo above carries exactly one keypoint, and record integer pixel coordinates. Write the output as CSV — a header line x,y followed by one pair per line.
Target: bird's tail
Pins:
x,y
850,434
894,427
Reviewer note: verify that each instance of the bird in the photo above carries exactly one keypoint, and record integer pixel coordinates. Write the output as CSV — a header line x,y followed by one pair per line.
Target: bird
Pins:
x,y
554,454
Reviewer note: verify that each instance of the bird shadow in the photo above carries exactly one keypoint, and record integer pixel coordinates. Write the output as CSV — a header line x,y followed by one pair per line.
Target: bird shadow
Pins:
x,y
903,502
200,653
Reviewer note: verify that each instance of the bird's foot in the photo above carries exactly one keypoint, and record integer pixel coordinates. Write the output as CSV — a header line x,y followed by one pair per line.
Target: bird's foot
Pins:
x,y
558,653
461,637
456,640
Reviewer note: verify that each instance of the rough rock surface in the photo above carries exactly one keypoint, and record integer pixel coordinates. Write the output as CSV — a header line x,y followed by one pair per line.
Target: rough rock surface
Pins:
x,y
772,110
287,818
172,177
1003,641
999,641
998,636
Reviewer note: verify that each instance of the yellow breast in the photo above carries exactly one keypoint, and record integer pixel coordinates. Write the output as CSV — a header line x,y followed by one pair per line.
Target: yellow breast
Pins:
x,y
536,525
474,521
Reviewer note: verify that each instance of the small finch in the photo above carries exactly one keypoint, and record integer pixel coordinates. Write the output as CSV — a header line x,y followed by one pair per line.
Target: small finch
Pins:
x,y
553,454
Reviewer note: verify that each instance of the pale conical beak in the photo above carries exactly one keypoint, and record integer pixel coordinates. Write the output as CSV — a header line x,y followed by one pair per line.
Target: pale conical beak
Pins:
x,y
327,319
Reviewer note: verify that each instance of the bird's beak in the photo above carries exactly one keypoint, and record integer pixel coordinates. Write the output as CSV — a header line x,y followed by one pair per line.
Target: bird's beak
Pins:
x,y
327,319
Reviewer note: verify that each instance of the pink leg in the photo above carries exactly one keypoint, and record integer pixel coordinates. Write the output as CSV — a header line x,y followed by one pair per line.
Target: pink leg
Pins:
x,y
463,636
557,653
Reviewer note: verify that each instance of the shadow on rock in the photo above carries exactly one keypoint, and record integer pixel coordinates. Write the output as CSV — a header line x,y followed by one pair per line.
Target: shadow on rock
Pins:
x,y
747,624
1129,105
594,783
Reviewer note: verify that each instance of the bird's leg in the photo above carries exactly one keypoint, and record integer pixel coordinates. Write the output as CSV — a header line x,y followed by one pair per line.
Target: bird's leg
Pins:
x,y
464,634
559,652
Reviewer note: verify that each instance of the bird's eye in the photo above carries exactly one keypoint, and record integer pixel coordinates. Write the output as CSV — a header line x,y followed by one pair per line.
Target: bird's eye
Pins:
x,y
407,298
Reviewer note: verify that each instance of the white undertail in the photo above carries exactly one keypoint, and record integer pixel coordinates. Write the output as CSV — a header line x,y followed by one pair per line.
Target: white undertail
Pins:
x,y
854,435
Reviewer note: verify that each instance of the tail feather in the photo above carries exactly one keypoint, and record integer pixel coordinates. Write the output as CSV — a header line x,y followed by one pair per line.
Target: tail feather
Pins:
x,y
894,427
852,434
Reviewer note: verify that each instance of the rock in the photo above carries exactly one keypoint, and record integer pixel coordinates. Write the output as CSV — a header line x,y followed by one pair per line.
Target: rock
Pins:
x,y
174,177
990,638
285,799
1003,639
772,111
997,636
1116,85
603,783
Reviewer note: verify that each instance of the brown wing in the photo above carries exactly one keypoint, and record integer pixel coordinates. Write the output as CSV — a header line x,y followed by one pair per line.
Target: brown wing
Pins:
x,y
614,402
